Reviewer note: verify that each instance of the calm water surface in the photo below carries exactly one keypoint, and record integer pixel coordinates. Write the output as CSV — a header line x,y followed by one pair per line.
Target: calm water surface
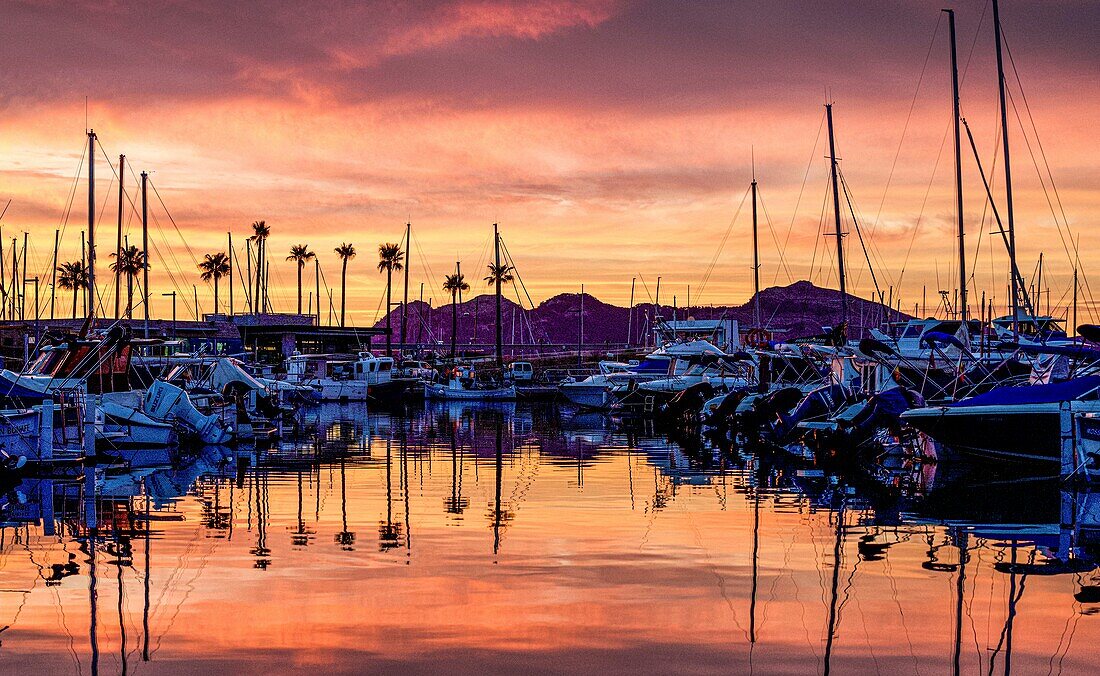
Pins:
x,y
467,539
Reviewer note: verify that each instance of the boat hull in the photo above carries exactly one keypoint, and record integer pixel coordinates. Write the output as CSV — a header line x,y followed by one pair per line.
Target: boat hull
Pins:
x,y
1029,433
437,391
586,395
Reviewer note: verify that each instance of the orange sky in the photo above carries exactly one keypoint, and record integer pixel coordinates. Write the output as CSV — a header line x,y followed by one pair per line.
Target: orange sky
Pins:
x,y
609,139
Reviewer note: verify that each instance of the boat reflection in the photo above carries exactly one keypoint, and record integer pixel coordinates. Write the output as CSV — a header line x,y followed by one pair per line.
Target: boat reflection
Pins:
x,y
556,521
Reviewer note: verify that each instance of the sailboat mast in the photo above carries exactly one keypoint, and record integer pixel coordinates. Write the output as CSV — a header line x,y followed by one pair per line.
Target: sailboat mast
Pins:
x,y
405,295
836,215
91,223
630,315
958,163
53,269
496,280
145,245
755,258
1008,170
230,234
118,233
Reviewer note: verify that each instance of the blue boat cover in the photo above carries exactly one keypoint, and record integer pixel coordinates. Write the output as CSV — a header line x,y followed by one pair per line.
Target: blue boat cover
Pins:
x,y
652,365
1071,351
1034,394
933,337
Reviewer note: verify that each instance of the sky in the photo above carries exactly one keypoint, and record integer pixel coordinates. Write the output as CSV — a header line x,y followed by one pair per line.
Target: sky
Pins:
x,y
611,140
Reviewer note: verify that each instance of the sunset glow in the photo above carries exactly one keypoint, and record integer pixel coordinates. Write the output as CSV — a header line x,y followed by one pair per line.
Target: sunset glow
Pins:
x,y
609,139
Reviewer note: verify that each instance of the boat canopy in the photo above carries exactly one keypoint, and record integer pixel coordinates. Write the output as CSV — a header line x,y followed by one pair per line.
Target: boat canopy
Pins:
x,y
931,338
1071,351
1053,393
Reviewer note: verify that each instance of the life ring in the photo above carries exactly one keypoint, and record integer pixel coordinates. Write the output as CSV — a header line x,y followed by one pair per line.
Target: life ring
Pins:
x,y
756,338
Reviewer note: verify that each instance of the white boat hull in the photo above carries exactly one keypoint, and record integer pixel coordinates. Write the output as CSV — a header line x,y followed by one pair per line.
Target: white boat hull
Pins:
x,y
438,391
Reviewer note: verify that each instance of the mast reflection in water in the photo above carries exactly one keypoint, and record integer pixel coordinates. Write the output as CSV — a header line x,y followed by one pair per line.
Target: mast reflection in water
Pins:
x,y
545,540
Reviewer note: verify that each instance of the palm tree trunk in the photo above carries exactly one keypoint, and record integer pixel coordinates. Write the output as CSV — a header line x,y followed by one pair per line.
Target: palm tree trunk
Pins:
x,y
301,264
454,323
76,292
389,314
343,290
216,278
129,295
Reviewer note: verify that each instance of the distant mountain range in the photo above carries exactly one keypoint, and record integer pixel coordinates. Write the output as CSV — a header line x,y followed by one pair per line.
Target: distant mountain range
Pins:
x,y
798,310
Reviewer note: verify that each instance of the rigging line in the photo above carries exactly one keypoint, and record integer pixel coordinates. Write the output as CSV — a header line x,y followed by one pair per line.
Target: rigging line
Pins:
x,y
859,234
519,278
820,224
1046,165
424,260
240,275
775,236
714,261
169,214
1042,183
924,204
905,127
867,252
646,287
63,221
801,189
158,230
974,42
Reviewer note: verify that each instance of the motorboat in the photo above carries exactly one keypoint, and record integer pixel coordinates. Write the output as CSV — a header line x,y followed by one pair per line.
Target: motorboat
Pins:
x,y
602,389
338,378
463,384
1022,423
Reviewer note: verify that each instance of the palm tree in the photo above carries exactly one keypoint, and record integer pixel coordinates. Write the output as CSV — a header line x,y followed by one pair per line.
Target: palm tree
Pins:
x,y
499,274
260,232
389,261
214,266
300,253
129,261
346,252
455,283
72,275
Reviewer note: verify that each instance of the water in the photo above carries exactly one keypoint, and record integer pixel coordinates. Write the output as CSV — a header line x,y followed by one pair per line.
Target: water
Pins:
x,y
383,542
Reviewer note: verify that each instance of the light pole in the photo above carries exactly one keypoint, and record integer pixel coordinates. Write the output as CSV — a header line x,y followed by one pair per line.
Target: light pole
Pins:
x,y
173,295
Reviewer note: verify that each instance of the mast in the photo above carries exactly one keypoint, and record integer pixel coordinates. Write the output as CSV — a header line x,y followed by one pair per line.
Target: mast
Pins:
x,y
23,284
630,315
836,215
1075,302
53,269
1008,171
145,244
656,305
230,276
580,329
91,223
3,282
405,295
248,269
497,275
958,163
317,283
960,587
118,234
755,256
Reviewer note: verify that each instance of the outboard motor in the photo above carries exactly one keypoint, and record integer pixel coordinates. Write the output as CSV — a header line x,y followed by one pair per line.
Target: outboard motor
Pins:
x,y
164,402
819,403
